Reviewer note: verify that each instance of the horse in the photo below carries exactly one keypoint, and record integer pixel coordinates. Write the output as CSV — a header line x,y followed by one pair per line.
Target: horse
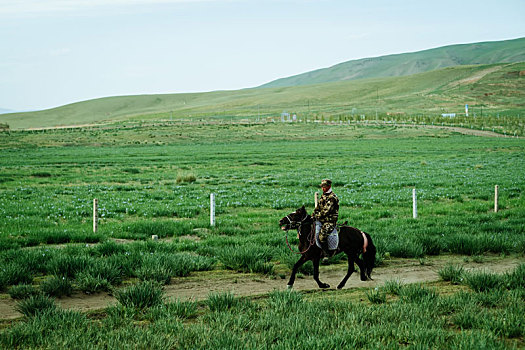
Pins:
x,y
352,242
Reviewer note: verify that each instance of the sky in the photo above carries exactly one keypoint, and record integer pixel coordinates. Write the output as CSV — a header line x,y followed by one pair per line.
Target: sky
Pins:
x,y
56,52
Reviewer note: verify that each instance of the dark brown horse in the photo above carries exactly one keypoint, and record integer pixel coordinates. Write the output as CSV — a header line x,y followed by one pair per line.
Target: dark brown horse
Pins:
x,y
351,241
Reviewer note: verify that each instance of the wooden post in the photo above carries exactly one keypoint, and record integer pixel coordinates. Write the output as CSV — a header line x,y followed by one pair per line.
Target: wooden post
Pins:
x,y
496,199
414,204
95,215
212,209
316,198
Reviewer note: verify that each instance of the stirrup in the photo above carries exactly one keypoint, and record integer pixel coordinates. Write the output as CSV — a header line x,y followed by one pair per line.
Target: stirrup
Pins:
x,y
326,251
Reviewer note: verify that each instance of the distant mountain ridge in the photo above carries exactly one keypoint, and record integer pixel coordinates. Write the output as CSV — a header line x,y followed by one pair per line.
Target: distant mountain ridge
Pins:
x,y
4,110
496,87
506,51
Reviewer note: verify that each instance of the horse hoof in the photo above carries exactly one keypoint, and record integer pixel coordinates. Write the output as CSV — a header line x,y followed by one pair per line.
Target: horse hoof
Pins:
x,y
340,287
324,286
289,286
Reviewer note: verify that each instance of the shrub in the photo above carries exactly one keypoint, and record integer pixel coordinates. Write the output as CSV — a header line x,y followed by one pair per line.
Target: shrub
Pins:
x,y
452,273
221,301
22,291
140,296
35,305
483,281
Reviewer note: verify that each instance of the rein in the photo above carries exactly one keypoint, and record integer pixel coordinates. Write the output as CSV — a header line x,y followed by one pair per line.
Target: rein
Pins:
x,y
310,238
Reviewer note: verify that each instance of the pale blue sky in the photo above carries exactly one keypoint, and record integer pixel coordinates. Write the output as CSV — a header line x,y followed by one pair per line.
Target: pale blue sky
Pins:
x,y
54,52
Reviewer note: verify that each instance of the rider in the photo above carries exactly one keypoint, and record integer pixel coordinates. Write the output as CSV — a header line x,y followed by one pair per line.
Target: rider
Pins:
x,y
326,212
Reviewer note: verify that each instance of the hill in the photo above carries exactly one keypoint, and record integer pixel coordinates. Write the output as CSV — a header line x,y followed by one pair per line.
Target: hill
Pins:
x,y
412,63
498,88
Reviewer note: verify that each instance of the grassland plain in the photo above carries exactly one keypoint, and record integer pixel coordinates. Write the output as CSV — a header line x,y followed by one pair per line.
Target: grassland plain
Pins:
x,y
157,180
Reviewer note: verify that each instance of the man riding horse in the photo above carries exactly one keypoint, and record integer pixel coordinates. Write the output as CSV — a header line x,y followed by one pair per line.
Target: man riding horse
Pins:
x,y
326,213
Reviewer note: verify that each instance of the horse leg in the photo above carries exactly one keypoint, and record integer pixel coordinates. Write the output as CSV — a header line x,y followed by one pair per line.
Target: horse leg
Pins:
x,y
349,272
315,262
362,269
296,267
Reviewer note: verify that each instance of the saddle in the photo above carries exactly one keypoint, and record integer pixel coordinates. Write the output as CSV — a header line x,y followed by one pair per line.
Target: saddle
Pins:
x,y
333,237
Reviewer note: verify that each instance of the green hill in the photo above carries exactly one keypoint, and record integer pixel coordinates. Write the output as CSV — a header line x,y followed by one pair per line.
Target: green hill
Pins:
x,y
497,88
412,63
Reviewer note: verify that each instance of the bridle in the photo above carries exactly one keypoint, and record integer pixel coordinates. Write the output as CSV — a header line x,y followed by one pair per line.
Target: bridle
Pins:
x,y
311,235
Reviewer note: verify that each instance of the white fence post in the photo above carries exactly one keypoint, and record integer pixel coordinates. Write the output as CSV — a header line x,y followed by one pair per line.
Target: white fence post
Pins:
x,y
414,204
212,209
316,198
95,215
496,199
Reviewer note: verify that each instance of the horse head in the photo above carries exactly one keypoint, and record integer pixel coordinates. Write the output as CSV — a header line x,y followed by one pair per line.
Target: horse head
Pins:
x,y
294,220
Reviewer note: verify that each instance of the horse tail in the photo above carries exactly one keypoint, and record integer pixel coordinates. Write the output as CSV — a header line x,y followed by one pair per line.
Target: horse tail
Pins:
x,y
369,257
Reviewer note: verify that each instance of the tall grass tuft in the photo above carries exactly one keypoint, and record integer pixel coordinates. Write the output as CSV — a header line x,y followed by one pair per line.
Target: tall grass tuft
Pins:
x,y
188,177
393,286
13,273
176,309
221,301
90,284
376,296
283,300
57,286
481,281
452,273
68,265
140,296
247,258
516,278
417,293
36,305
23,291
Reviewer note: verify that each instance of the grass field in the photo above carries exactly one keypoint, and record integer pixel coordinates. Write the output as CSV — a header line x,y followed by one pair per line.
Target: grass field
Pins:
x,y
156,180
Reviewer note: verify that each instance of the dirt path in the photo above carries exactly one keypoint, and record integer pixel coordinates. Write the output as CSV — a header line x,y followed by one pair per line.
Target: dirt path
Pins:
x,y
200,285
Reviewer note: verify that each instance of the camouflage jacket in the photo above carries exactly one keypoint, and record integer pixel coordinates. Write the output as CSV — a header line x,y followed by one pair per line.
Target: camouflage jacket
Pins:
x,y
327,209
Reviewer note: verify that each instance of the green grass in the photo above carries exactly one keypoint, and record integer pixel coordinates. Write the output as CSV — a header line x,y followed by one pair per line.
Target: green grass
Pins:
x,y
35,305
140,296
285,319
452,273
259,174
